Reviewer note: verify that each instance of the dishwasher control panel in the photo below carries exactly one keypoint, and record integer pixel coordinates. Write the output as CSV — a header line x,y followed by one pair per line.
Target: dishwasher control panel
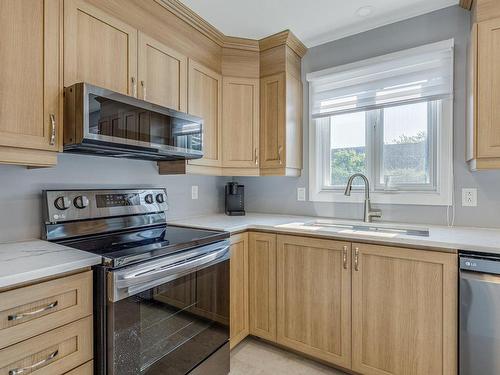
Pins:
x,y
480,264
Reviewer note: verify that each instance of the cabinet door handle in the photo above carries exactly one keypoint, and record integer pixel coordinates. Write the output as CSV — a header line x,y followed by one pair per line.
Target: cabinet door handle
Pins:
x,y
280,150
143,85
53,129
134,87
344,257
19,371
19,316
256,156
356,259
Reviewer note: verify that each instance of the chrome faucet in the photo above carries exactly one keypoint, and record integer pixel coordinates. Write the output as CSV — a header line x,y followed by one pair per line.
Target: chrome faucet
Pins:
x,y
369,212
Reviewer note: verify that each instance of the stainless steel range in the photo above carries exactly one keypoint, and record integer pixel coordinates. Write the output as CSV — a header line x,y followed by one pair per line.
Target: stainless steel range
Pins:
x,y
161,294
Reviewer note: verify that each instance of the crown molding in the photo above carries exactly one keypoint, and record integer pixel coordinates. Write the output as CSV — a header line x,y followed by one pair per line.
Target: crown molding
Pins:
x,y
467,4
284,37
193,19
198,23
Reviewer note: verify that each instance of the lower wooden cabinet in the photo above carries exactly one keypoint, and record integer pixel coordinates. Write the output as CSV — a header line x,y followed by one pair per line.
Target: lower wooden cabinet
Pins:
x,y
314,297
86,369
404,311
239,314
262,272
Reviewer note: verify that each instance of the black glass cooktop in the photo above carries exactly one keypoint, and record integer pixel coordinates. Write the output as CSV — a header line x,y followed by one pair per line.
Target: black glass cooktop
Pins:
x,y
123,248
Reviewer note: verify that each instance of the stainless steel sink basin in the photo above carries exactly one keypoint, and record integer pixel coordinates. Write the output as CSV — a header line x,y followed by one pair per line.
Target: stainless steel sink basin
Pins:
x,y
377,228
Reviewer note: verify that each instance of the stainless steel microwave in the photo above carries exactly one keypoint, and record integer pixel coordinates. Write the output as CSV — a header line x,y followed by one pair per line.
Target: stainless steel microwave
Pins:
x,y
102,122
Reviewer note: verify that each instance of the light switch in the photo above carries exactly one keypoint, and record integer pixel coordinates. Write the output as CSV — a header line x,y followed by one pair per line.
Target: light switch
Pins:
x,y
301,194
194,192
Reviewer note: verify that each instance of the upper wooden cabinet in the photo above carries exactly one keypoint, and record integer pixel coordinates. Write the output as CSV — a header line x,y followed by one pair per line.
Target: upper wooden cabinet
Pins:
x,y
31,82
281,112
404,311
484,96
99,49
240,129
162,74
205,101
314,297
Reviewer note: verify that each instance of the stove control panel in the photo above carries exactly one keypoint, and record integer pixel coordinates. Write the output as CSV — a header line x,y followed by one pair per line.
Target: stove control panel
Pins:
x,y
72,205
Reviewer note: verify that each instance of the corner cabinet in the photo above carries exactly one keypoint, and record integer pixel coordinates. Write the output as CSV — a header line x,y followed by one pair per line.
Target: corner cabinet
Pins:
x,y
484,96
314,297
31,82
404,311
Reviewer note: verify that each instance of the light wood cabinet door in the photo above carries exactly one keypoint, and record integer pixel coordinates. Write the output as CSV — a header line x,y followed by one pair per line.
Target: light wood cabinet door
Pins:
x,y
404,311
30,77
314,297
239,317
204,100
272,121
488,86
86,369
99,49
240,122
262,264
162,74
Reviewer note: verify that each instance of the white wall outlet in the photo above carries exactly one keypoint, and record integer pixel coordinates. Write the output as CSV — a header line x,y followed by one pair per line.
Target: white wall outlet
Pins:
x,y
469,197
301,194
194,192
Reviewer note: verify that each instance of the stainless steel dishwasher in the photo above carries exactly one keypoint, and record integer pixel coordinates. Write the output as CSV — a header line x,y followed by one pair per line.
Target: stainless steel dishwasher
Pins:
x,y
479,314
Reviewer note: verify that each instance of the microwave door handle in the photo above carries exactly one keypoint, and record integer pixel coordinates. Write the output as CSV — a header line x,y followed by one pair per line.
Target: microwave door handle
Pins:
x,y
159,273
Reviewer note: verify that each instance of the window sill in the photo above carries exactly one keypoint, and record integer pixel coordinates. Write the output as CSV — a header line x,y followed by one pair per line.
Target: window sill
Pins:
x,y
395,197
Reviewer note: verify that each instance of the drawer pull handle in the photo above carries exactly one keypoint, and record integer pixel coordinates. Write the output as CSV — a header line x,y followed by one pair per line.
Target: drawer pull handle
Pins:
x,y
356,259
19,371
256,156
344,257
53,129
19,316
280,150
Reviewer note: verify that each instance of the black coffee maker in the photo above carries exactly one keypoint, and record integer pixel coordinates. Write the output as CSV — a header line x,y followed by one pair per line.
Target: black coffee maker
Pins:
x,y
235,199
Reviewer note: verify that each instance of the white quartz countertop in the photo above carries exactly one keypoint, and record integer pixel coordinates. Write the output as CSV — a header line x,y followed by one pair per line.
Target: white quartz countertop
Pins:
x,y
440,237
27,261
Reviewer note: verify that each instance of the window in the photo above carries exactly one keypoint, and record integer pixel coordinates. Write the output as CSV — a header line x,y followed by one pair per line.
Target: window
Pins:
x,y
389,118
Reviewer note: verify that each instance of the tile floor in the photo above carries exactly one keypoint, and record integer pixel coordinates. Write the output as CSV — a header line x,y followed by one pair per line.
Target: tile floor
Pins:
x,y
253,357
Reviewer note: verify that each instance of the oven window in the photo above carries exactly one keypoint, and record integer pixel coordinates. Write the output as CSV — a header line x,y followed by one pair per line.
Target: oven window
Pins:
x,y
133,125
171,328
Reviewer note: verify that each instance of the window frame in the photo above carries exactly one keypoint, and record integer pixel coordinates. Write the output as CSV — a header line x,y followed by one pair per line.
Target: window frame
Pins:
x,y
440,191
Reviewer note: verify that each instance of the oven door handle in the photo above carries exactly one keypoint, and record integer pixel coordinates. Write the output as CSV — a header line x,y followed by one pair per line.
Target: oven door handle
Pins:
x,y
141,277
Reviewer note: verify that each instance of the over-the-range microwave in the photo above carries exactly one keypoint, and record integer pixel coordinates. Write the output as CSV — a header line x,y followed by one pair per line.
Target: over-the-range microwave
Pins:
x,y
102,122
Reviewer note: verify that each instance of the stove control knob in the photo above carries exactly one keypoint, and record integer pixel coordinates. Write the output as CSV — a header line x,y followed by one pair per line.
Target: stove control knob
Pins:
x,y
81,202
62,203
149,199
160,198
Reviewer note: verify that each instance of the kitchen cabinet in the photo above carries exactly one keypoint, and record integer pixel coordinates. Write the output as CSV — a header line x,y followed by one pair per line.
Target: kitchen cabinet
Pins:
x,y
281,112
314,297
205,101
162,74
99,49
31,82
239,316
262,285
484,96
240,125
404,311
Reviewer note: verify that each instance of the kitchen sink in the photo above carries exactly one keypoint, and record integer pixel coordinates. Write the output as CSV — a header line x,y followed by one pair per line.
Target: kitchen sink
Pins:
x,y
367,227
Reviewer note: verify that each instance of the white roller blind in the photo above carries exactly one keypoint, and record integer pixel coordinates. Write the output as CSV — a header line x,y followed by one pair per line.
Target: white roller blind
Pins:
x,y
417,74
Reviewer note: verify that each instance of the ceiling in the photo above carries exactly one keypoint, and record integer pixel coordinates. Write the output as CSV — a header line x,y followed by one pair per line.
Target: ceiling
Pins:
x,y
314,22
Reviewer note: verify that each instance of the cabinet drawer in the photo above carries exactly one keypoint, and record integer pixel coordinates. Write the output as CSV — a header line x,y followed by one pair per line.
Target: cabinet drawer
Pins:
x,y
31,310
86,369
52,353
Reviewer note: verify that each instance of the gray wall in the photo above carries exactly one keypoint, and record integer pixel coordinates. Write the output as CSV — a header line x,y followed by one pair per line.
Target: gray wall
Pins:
x,y
278,194
20,189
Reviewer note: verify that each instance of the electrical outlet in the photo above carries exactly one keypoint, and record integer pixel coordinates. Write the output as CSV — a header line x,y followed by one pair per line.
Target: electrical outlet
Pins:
x,y
301,194
469,197
194,192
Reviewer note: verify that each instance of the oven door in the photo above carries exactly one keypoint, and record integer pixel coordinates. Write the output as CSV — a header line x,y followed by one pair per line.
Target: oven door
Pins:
x,y
168,316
